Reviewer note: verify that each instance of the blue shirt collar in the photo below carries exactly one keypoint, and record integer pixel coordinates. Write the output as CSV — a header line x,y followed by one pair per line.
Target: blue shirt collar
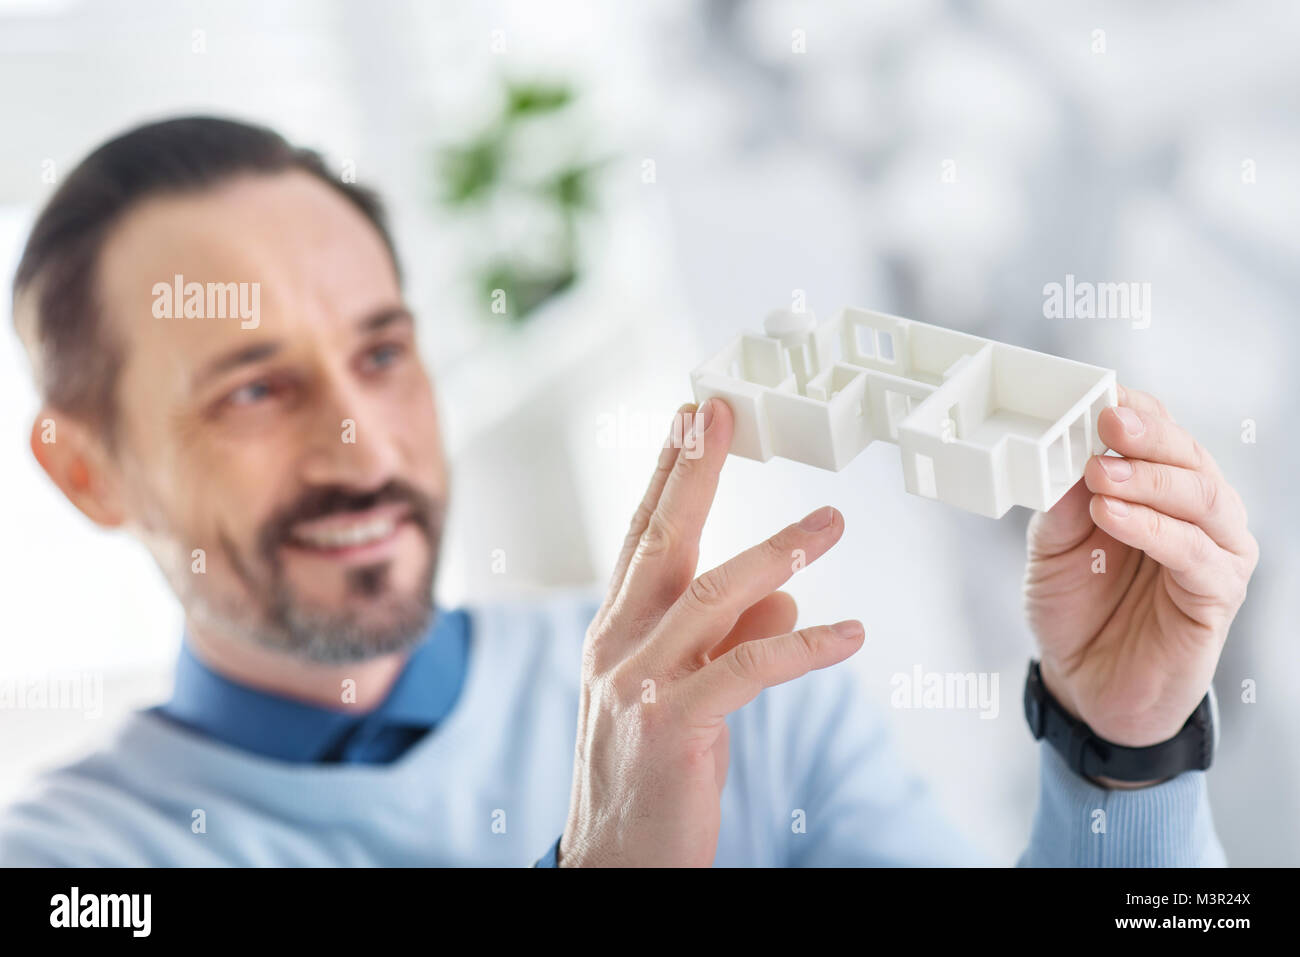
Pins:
x,y
287,730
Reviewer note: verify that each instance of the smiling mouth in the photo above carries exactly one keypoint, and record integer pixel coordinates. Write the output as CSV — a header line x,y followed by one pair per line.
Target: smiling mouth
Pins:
x,y
349,534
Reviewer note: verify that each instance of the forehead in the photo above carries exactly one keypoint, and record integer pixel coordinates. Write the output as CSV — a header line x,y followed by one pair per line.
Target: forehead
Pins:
x,y
319,264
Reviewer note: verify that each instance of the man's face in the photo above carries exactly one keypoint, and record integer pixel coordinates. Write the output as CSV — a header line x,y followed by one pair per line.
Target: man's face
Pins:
x,y
299,451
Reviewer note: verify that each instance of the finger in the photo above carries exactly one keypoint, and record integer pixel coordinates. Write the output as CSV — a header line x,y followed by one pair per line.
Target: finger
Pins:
x,y
1142,402
1201,498
1068,522
736,678
1197,563
713,603
773,614
664,559
1063,526
683,419
1145,435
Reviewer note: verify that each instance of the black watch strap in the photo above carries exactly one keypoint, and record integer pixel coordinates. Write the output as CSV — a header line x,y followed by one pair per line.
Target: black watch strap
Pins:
x,y
1192,748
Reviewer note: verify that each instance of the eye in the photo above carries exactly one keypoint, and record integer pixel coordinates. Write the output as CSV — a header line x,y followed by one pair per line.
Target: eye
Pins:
x,y
248,394
251,393
384,356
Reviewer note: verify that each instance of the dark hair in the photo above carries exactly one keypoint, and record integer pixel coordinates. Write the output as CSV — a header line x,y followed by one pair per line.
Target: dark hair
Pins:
x,y
75,360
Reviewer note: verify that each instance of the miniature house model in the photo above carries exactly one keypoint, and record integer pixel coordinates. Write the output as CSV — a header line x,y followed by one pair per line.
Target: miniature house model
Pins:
x,y
981,425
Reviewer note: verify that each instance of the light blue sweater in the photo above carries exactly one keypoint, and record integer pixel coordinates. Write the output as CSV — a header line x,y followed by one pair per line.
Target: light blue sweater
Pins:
x,y
813,780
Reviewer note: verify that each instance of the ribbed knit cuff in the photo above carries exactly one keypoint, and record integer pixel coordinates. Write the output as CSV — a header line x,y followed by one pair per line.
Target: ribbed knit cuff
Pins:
x,y
1079,824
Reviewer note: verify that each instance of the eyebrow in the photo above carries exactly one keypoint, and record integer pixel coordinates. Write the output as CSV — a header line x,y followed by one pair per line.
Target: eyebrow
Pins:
x,y
384,318
257,353
233,360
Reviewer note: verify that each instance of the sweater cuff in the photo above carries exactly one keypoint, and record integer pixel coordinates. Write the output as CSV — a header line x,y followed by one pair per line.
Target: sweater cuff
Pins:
x,y
552,857
1079,824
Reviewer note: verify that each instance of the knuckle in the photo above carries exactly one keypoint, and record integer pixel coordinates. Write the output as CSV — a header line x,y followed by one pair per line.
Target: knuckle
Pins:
x,y
625,679
598,633
710,589
640,521
1156,524
807,642
745,660
686,465
659,537
778,548
1208,494
1161,482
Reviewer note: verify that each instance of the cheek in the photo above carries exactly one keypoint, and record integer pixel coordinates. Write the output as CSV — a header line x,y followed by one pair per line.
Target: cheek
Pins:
x,y
421,436
186,486
230,495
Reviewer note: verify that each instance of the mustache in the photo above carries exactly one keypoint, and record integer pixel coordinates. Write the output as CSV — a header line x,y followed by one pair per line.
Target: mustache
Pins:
x,y
425,511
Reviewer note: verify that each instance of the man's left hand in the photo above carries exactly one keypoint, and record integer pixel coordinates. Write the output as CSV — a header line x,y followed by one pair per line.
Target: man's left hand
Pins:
x,y
1135,576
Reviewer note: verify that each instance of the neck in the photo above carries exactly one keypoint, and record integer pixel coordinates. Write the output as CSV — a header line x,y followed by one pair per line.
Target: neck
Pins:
x,y
275,672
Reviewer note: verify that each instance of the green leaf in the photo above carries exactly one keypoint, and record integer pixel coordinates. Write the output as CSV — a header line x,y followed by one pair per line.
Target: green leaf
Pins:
x,y
528,99
525,291
470,172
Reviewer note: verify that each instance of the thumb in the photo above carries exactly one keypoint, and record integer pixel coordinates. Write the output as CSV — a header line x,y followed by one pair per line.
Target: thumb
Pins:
x,y
1063,526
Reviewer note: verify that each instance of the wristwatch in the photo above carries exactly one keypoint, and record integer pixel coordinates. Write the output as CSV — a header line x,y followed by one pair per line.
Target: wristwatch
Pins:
x,y
1191,749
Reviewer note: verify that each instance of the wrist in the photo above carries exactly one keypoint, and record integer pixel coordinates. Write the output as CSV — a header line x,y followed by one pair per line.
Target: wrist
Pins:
x,y
1133,732
1055,684
1055,687
1107,763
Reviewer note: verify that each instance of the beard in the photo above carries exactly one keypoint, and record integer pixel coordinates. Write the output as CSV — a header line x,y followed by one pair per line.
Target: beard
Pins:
x,y
375,619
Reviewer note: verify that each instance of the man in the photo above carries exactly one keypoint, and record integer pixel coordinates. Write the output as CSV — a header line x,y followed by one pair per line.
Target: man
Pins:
x,y
219,337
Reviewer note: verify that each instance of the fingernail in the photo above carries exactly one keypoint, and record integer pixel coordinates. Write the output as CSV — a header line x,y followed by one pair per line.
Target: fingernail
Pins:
x,y
1115,506
1116,469
816,521
705,413
1131,421
847,629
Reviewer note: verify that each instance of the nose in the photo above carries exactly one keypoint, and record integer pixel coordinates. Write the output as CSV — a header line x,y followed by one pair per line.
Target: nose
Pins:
x,y
349,443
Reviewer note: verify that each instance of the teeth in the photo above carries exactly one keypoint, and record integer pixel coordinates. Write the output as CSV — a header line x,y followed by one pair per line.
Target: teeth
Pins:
x,y
345,536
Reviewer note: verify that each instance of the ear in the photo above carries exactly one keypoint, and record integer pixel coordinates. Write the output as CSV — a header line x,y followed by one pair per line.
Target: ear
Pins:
x,y
75,458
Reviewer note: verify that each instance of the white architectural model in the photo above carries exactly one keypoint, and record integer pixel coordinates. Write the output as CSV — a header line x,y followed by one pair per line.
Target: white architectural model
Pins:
x,y
981,425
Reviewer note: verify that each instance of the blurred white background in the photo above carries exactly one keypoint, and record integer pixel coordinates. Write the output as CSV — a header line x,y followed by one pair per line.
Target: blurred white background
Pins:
x,y
758,151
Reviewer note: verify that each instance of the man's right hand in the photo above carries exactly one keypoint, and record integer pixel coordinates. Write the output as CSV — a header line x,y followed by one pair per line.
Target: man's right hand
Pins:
x,y
668,656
